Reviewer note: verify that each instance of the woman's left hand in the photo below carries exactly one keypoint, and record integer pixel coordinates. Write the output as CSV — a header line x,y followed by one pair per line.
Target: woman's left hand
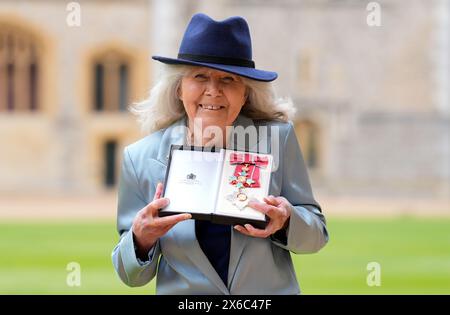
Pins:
x,y
278,209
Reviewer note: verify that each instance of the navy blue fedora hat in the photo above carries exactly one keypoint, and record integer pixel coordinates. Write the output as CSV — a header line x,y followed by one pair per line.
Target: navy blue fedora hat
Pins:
x,y
222,45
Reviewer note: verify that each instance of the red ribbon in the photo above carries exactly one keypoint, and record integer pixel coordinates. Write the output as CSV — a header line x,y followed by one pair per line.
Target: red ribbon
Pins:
x,y
255,162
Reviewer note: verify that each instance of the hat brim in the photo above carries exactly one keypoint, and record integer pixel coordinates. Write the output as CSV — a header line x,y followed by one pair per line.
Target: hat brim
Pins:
x,y
251,73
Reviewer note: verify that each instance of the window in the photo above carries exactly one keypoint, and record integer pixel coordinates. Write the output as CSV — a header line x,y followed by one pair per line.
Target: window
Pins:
x,y
307,133
123,87
19,70
110,151
98,87
111,82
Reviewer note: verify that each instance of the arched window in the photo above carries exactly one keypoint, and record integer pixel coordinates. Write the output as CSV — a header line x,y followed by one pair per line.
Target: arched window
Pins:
x,y
19,70
308,135
111,82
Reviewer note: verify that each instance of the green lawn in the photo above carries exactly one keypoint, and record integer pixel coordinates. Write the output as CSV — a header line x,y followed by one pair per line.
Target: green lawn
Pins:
x,y
414,255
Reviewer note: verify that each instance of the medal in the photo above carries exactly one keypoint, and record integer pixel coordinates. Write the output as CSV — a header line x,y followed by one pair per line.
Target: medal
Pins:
x,y
241,196
246,175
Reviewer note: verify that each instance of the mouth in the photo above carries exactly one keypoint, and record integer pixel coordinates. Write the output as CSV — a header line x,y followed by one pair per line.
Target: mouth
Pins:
x,y
211,107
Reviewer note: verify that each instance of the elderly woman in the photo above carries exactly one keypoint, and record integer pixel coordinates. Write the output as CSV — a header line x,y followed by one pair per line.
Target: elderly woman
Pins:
x,y
214,81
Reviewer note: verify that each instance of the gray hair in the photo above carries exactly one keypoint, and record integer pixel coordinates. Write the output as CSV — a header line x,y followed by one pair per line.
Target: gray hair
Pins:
x,y
163,107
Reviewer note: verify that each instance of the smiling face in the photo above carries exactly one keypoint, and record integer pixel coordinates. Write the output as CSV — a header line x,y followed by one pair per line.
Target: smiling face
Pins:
x,y
212,95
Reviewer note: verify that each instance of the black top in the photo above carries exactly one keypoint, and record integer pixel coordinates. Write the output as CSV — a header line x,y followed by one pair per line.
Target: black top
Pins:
x,y
214,240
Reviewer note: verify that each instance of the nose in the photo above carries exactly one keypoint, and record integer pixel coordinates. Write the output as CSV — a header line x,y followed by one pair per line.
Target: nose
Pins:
x,y
213,88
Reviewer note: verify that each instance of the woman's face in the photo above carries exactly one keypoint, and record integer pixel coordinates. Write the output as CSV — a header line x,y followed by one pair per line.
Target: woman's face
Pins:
x,y
212,95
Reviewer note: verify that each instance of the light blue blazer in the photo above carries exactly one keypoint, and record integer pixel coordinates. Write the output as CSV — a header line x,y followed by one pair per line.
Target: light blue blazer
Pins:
x,y
257,265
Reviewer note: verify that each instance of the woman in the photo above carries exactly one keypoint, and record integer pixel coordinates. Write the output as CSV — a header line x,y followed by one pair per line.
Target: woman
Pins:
x,y
214,83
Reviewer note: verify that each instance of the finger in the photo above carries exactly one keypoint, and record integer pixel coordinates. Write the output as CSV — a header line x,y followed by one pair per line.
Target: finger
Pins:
x,y
269,210
158,192
172,219
282,200
168,227
258,232
155,205
272,200
241,230
275,200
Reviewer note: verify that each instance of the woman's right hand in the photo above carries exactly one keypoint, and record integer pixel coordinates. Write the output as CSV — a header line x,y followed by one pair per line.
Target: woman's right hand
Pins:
x,y
148,227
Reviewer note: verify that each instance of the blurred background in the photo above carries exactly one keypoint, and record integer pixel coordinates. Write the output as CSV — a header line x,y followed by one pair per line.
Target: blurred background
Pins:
x,y
370,79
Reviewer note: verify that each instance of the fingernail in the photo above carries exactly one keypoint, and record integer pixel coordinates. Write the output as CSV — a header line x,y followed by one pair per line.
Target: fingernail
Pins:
x,y
166,201
188,216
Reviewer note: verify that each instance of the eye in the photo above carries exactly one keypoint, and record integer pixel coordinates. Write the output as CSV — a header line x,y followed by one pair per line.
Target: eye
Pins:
x,y
228,79
200,76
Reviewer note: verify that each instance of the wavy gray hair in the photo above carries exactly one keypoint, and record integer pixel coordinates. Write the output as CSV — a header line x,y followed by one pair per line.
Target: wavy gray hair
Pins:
x,y
163,107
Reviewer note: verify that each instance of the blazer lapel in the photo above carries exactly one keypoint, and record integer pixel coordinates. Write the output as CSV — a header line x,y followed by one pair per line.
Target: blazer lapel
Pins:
x,y
174,134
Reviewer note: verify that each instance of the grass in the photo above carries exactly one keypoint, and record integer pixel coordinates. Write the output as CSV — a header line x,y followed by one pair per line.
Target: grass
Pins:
x,y
414,255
